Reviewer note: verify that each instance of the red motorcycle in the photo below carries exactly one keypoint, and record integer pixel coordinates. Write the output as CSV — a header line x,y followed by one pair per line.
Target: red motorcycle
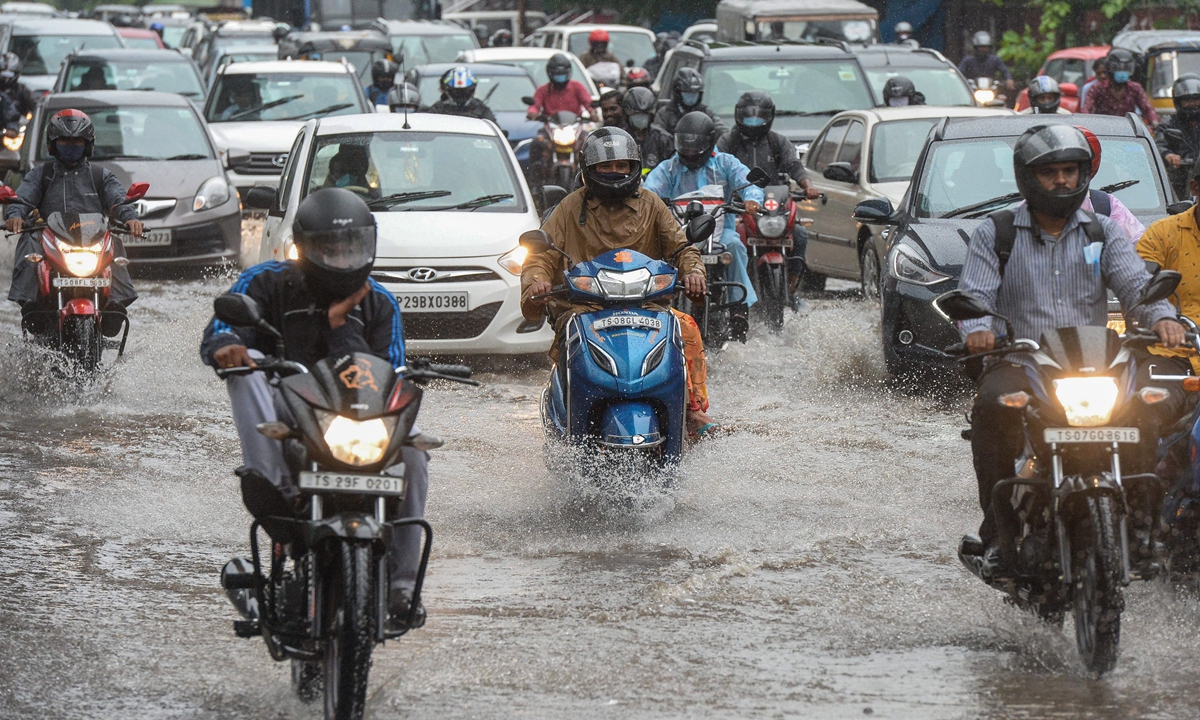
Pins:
x,y
768,238
75,269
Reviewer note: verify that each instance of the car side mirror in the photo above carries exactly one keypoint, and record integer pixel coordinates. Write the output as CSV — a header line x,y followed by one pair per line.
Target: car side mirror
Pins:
x,y
840,172
137,191
237,158
1173,133
1069,89
261,197
1176,208
552,195
238,310
1160,286
876,211
957,305
758,176
700,228
527,100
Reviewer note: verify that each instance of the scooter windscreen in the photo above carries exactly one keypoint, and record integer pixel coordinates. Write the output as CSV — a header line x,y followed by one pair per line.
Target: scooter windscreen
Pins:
x,y
81,229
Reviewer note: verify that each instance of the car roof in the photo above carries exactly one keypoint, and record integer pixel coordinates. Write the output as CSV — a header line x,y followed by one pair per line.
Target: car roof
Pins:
x,y
264,49
487,14
1086,52
231,27
757,51
302,67
914,112
391,122
479,68
132,55
588,27
1008,126
899,55
792,7
109,98
422,27
514,53
1140,41
27,25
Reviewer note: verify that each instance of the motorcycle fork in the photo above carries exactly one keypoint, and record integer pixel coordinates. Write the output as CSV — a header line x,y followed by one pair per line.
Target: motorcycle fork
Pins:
x,y
1064,545
315,625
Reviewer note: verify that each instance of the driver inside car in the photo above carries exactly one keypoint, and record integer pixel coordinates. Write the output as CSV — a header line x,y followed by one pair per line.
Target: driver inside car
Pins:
x,y
348,169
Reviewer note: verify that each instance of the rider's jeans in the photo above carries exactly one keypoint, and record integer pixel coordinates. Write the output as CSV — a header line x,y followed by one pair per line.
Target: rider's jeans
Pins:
x,y
254,401
741,260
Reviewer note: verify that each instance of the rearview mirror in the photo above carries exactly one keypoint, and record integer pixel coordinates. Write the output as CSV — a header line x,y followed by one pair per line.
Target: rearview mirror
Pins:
x,y
7,194
957,305
840,172
137,191
536,241
876,211
1160,286
758,176
237,310
694,209
552,195
700,228
261,197
527,100
237,158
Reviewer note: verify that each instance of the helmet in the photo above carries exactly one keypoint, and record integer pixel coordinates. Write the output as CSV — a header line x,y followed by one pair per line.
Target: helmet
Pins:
x,y
662,43
70,123
1187,87
694,137
1094,144
334,233
460,84
384,69
903,28
687,87
1040,86
1120,64
754,113
501,38
638,106
10,68
1045,144
604,145
898,87
158,27
637,76
598,36
981,39
404,96
558,67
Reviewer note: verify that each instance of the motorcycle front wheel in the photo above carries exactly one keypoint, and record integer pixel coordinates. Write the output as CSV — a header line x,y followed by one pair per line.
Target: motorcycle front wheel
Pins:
x,y
81,342
772,295
351,635
1096,569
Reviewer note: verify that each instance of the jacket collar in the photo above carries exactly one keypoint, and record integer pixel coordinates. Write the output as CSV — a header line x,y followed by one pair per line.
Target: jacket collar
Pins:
x,y
629,202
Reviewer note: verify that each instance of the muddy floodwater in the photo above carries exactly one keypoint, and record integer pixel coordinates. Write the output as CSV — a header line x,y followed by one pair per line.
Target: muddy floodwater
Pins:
x,y
803,567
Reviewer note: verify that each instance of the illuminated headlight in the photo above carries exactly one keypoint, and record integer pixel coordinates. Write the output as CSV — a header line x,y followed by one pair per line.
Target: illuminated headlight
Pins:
x,y
80,262
513,260
564,136
772,226
984,96
1087,402
292,253
906,264
585,283
14,143
356,442
213,193
624,285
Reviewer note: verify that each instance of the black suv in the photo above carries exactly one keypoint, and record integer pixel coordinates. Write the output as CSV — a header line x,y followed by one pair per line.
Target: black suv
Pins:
x,y
810,82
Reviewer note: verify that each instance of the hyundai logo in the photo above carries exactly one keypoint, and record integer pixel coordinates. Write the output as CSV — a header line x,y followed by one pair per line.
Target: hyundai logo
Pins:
x,y
423,274
279,160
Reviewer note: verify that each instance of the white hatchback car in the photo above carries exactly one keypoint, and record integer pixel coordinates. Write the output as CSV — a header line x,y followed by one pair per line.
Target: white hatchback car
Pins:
x,y
450,202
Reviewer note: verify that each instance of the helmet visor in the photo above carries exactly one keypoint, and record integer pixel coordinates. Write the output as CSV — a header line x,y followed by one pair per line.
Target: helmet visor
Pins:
x,y
346,249
692,143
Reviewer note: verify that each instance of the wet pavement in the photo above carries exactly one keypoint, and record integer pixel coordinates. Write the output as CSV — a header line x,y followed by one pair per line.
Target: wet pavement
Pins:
x,y
803,567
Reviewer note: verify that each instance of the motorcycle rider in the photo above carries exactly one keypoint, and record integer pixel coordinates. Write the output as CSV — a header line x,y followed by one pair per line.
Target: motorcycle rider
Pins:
x,y
1178,135
637,117
1099,73
663,42
459,84
404,97
1107,204
697,163
1044,97
501,38
984,63
10,85
899,91
68,183
559,94
754,143
637,77
612,211
904,34
598,50
610,107
326,305
1019,273
383,79
687,90
1118,94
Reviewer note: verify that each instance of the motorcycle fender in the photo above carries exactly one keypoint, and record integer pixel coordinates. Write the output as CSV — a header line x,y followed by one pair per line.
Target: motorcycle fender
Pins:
x,y
771,258
1077,488
630,424
79,306
346,526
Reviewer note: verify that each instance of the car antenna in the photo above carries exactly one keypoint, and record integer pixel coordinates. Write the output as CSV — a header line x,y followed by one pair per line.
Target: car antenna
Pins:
x,y
406,126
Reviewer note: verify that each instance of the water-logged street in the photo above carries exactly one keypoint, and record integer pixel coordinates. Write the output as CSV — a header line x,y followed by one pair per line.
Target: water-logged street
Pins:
x,y
804,566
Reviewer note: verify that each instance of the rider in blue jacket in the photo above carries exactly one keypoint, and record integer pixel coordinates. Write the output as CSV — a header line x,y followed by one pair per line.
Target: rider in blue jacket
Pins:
x,y
697,163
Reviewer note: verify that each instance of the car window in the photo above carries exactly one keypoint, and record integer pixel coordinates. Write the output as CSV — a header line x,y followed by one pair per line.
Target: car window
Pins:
x,y
852,30
501,93
174,77
895,147
141,43
172,36
146,133
941,86
627,46
388,163
44,54
241,40
427,49
851,151
1054,69
829,145
1073,71
250,97
806,93
289,172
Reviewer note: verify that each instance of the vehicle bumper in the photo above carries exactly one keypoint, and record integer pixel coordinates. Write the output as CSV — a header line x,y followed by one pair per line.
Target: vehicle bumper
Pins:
x,y
206,243
913,332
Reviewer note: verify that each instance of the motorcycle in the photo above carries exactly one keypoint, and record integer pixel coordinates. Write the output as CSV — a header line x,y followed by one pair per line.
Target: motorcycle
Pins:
x,y
768,238
74,271
713,314
986,92
618,392
1061,519
327,608
566,132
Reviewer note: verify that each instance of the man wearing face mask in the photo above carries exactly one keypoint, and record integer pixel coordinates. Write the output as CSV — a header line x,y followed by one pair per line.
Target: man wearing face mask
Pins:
x,y
1119,94
687,91
1178,135
1044,97
899,91
68,183
383,78
598,50
984,63
637,117
560,94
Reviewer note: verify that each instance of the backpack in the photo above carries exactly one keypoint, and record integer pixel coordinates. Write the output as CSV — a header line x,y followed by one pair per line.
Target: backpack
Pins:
x,y
1006,232
97,181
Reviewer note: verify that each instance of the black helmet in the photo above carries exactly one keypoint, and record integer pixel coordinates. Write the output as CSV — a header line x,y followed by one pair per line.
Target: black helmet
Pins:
x,y
1120,60
404,96
981,39
694,138
558,66
605,145
638,106
70,123
383,68
1045,144
1187,87
334,234
688,85
1040,87
903,28
754,113
898,87
501,38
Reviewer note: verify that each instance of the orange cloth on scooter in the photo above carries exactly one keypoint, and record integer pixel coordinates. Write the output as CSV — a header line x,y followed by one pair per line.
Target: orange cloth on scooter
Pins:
x,y
693,356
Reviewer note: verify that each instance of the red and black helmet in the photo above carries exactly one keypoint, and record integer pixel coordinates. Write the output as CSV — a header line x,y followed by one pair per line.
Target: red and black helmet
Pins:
x,y
70,123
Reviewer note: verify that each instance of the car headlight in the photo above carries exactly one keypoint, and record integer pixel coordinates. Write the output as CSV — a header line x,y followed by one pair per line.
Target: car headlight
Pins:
x,y
907,265
1087,401
213,193
514,260
624,285
984,96
564,136
14,143
80,262
355,442
772,226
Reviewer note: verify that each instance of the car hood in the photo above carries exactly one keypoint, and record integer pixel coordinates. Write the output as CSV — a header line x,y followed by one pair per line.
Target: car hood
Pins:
x,y
264,136
175,179
517,127
448,234
944,242
38,84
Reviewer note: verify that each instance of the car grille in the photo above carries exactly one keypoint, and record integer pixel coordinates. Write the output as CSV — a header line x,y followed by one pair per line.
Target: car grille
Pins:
x,y
400,274
449,326
263,164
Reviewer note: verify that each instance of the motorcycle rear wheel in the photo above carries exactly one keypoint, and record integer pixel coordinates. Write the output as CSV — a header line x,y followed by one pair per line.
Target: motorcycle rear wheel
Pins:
x,y
351,637
1098,593
81,342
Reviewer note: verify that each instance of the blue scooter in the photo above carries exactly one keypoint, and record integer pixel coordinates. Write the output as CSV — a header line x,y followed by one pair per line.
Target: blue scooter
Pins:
x,y
618,393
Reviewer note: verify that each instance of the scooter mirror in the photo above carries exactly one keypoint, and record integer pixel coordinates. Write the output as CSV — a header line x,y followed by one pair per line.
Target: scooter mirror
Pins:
x,y
137,191
1179,207
536,241
238,310
957,305
552,195
527,100
758,176
1160,286
7,194
700,228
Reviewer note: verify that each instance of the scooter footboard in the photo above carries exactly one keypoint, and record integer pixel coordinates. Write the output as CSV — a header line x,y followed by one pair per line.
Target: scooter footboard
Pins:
x,y
630,424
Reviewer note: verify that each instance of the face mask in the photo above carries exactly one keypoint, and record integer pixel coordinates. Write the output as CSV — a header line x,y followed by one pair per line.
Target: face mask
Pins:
x,y
345,180
689,98
1121,77
612,178
641,121
559,79
898,102
754,122
70,154
693,162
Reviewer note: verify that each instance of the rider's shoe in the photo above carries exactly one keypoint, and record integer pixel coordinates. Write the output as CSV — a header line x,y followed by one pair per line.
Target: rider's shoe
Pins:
x,y
399,606
739,322
113,319
994,567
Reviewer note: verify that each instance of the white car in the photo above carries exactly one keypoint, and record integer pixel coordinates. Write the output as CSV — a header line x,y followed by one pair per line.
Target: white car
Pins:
x,y
533,60
627,42
259,107
453,264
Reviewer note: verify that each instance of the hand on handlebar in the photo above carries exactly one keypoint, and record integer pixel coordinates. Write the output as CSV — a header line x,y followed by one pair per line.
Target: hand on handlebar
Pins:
x,y
232,356
695,285
136,227
752,207
1173,159
14,224
981,341
1170,332
539,292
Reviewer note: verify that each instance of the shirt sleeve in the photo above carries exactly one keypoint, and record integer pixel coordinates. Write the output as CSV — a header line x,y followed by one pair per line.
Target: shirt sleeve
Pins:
x,y
583,97
736,174
545,266
1125,272
658,181
255,282
789,160
1003,69
1126,220
383,335
30,191
981,274
539,99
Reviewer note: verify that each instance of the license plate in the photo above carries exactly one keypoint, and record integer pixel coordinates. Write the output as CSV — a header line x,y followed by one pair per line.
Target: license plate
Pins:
x,y
349,483
434,302
710,259
61,282
771,242
152,238
1092,435
627,321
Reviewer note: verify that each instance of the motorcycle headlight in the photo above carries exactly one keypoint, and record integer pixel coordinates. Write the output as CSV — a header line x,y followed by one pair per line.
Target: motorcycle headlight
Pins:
x,y
213,193
984,96
906,264
14,143
80,262
1088,401
513,260
624,285
356,442
564,136
772,226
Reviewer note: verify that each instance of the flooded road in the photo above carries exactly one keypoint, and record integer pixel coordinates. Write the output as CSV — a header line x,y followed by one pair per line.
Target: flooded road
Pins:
x,y
803,567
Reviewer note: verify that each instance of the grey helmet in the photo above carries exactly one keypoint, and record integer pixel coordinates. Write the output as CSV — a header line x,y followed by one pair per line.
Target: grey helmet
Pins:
x,y
981,39
1040,87
903,30
404,97
1045,144
1187,87
638,107
605,145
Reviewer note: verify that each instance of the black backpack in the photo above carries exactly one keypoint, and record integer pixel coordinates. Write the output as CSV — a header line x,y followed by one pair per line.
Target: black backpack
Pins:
x,y
1006,232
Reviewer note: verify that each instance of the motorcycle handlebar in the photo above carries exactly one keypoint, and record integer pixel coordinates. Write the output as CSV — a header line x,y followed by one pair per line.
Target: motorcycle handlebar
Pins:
x,y
266,364
555,290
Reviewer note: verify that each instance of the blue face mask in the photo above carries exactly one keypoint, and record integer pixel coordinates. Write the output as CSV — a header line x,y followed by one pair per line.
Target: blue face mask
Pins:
x,y
1121,77
641,121
344,180
754,122
689,99
559,79
70,154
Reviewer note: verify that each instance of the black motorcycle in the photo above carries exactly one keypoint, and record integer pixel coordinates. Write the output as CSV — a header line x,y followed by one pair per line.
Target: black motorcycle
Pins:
x,y
322,598
1061,520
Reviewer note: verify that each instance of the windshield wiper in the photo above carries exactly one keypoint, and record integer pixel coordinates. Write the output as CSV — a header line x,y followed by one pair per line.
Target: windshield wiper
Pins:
x,y
405,197
267,106
322,111
1119,186
188,156
481,201
800,113
985,205
491,93
124,157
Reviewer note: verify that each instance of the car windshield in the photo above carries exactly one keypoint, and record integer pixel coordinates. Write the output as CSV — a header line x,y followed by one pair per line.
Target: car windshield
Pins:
x,y
940,86
242,40
360,59
44,54
961,173
173,35
1168,66
1068,70
635,46
173,77
428,49
821,88
895,147
813,30
384,165
141,43
501,93
537,68
250,97
146,133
